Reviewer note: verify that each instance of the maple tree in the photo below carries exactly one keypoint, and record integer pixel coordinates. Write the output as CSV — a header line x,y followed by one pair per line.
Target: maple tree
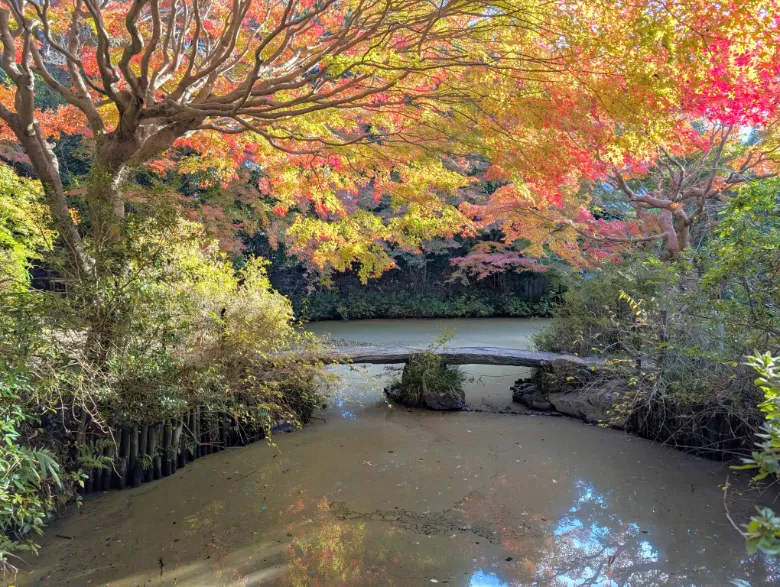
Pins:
x,y
345,127
680,107
286,82
334,100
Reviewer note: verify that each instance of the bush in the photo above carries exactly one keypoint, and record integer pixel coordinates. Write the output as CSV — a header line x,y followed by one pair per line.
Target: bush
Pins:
x,y
31,482
24,229
743,264
426,372
367,304
591,318
676,334
200,333
178,327
677,358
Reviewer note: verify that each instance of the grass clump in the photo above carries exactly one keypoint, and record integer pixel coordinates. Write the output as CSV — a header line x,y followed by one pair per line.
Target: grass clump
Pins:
x,y
426,375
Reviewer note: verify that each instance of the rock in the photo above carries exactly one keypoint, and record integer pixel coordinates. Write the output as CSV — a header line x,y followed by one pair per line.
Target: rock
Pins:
x,y
523,388
590,404
535,401
452,399
393,393
529,393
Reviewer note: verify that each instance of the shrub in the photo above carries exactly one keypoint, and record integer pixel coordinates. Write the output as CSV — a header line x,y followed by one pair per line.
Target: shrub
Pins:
x,y
198,332
743,264
24,229
676,333
32,483
427,372
29,475
367,304
676,357
178,327
591,318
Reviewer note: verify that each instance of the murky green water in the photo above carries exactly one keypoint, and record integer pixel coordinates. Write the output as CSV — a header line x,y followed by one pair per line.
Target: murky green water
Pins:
x,y
488,385
379,495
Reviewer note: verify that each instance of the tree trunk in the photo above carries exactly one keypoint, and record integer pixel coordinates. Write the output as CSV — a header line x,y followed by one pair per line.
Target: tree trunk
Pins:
x,y
105,202
124,457
666,221
46,167
138,474
175,446
166,447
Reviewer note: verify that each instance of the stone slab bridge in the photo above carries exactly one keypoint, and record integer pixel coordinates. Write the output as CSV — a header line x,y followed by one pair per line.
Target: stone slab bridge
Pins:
x,y
463,355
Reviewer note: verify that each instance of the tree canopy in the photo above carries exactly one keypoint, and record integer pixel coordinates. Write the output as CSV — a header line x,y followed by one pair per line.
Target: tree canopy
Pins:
x,y
635,109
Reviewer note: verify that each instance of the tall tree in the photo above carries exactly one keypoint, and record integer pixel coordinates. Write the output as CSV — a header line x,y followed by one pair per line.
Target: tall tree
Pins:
x,y
676,110
293,76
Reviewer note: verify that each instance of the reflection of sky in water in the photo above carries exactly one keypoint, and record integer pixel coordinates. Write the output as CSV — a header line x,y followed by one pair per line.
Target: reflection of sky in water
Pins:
x,y
482,579
342,404
594,545
594,541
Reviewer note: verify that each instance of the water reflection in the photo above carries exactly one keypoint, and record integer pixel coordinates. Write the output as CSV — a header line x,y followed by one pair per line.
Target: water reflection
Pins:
x,y
325,551
482,579
592,544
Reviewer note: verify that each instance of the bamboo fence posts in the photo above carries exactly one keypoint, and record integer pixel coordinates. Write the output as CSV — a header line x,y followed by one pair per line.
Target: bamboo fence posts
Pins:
x,y
141,453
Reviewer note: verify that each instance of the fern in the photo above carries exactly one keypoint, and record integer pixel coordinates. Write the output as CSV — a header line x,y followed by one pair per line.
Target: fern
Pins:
x,y
91,454
146,461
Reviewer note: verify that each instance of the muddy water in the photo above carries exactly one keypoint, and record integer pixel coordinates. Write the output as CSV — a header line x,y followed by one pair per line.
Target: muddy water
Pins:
x,y
379,495
487,385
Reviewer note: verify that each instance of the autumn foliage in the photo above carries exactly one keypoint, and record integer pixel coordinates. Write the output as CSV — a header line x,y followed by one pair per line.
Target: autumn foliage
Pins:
x,y
332,102
677,105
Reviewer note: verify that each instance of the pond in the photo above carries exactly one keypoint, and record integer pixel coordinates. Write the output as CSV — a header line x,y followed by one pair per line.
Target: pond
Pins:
x,y
382,495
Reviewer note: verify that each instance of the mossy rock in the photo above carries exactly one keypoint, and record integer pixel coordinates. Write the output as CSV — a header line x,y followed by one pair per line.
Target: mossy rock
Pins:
x,y
450,399
427,381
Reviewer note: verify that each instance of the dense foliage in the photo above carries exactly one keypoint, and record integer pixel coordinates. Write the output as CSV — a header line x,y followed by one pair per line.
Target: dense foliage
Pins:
x,y
330,103
31,481
30,484
359,304
423,285
185,329
677,334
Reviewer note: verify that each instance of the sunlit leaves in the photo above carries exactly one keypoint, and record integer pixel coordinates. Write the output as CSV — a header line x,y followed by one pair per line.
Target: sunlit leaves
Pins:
x,y
763,530
330,100
24,229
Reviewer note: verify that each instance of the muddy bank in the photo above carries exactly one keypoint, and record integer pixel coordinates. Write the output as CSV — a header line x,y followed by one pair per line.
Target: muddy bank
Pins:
x,y
594,397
